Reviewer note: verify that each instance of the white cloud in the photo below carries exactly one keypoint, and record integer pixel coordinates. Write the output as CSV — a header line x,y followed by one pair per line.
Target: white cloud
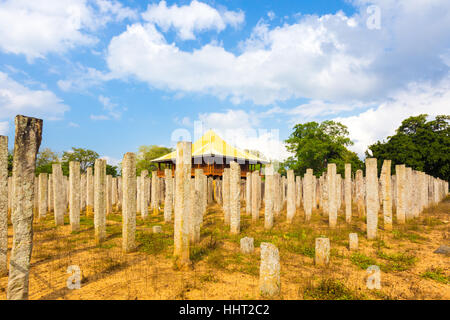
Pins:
x,y
74,125
4,128
36,28
82,79
18,99
271,15
378,123
333,57
111,161
192,18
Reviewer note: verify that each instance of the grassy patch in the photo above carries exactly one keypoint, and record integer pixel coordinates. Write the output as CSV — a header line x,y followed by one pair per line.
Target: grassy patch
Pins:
x,y
362,260
436,274
153,243
329,289
413,237
396,261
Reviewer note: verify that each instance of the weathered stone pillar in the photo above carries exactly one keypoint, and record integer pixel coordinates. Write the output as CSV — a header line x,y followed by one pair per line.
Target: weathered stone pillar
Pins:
x,y
372,198
360,192
269,270
325,196
58,192
290,212
43,197
108,194
348,192
114,192
10,194
415,192
129,202
322,252
255,196
83,191
298,191
74,195
28,138
308,194
120,192
387,193
100,200
143,198
210,190
4,204
339,191
277,207
269,197
226,195
182,199
353,241
408,194
51,200
138,194
247,246
248,193
89,191
154,197
400,182
168,201
332,195
235,195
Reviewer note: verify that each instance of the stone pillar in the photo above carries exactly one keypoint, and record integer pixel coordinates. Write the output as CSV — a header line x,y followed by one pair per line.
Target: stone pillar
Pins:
x,y
83,191
386,193
360,192
290,196
235,195
298,191
114,192
322,252
194,214
400,182
269,270
408,194
248,194
353,241
325,196
89,191
28,138
129,202
269,197
138,194
108,194
226,195
348,192
182,191
247,246
74,195
308,194
142,187
43,197
58,192
332,196
255,196
168,201
277,194
372,198
51,200
4,204
100,200
154,197
10,194
339,191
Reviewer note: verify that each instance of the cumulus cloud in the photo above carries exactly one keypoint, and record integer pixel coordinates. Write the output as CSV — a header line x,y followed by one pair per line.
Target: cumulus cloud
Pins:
x,y
4,127
36,28
190,19
18,99
332,57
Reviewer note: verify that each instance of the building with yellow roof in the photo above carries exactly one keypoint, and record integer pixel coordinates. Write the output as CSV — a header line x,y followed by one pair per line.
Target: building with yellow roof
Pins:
x,y
212,154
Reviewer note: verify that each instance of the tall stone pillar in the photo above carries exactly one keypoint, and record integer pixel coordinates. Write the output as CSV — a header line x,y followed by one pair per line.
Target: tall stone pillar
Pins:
x,y
298,191
58,192
308,194
74,195
226,195
194,213
182,199
43,196
387,193
332,195
408,194
290,196
168,201
138,194
235,195
325,209
339,191
89,191
114,192
143,198
400,172
129,202
83,191
108,194
28,138
100,200
154,197
372,198
348,192
4,204
51,201
269,197
360,192
269,270
248,193
255,196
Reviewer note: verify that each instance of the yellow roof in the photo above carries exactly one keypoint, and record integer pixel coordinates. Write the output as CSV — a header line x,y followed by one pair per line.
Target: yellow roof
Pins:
x,y
210,144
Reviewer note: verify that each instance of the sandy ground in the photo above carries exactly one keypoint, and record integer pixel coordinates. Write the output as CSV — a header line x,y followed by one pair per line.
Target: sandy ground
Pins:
x,y
219,271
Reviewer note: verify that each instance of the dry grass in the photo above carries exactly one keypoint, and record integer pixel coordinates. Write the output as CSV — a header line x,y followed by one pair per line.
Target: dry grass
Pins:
x,y
409,268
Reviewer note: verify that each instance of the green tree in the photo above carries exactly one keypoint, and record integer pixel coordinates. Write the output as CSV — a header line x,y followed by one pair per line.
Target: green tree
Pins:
x,y
420,144
315,145
44,160
146,154
85,157
111,170
10,162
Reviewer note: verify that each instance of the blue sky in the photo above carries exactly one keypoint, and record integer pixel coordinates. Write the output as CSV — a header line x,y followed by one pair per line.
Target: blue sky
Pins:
x,y
113,75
